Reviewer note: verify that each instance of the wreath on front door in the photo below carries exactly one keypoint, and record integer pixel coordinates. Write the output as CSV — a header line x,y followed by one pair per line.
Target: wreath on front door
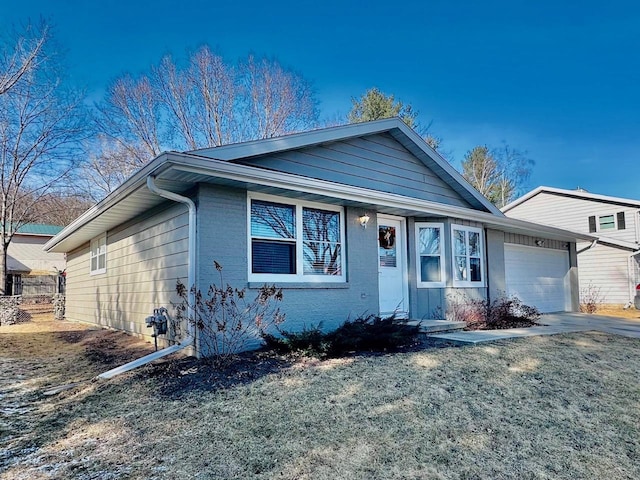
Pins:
x,y
387,237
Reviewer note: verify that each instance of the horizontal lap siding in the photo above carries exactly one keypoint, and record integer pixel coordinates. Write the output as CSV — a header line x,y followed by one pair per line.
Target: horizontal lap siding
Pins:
x,y
607,269
378,162
145,258
528,241
573,214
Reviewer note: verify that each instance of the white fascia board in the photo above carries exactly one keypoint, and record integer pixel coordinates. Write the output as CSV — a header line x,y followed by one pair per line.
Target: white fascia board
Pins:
x,y
446,167
293,141
133,183
315,137
207,167
286,181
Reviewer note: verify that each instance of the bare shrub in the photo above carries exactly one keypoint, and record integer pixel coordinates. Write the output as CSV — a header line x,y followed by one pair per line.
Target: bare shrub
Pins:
x,y
503,312
591,298
225,322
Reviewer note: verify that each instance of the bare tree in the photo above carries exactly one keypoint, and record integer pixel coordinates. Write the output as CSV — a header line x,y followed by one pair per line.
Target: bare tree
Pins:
x,y
217,93
60,207
498,174
480,169
207,103
108,165
26,55
278,101
131,116
40,127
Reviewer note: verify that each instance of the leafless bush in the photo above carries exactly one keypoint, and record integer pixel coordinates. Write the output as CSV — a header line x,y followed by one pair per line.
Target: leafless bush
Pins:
x,y
590,298
225,322
503,312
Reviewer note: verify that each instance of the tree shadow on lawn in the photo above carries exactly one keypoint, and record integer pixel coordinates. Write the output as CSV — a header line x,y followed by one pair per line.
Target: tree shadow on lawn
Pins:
x,y
179,376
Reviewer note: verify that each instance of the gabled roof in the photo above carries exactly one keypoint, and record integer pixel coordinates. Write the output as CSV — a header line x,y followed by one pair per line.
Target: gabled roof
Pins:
x,y
179,172
399,130
581,194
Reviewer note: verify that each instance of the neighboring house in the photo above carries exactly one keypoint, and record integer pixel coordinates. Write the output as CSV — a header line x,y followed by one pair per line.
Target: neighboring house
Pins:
x,y
293,211
30,270
611,265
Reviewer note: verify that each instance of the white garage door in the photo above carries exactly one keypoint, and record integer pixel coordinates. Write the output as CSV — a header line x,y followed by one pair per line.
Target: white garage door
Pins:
x,y
538,276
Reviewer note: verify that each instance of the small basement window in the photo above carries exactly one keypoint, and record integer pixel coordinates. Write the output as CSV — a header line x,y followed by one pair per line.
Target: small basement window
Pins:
x,y
98,255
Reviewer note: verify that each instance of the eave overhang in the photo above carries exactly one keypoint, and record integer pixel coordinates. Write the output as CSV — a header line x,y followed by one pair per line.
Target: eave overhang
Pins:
x,y
180,172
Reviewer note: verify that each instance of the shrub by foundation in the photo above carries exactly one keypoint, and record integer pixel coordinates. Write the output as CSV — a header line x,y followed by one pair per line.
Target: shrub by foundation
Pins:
x,y
503,312
365,333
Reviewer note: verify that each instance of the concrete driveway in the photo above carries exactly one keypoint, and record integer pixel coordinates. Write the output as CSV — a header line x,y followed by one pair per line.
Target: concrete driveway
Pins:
x,y
582,321
554,323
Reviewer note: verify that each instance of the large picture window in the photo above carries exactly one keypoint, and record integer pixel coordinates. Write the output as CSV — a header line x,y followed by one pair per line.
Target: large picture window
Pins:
x,y
468,256
98,255
430,255
293,241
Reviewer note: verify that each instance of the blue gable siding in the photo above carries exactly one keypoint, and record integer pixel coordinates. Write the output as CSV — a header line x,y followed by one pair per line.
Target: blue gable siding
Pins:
x,y
376,161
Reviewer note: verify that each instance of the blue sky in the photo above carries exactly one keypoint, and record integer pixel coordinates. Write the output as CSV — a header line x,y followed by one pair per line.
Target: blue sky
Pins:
x,y
560,80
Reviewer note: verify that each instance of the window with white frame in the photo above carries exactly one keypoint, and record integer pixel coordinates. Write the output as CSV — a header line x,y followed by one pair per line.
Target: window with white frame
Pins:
x,y
294,241
606,222
98,255
468,256
430,254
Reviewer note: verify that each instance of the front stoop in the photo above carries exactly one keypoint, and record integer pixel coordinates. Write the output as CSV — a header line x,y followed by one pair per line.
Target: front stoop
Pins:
x,y
434,326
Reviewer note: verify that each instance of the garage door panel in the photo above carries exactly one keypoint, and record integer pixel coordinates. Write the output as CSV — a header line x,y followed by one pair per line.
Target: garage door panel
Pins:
x,y
538,276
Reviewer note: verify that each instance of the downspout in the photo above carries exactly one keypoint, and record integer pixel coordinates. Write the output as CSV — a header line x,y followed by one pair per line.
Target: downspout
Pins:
x,y
632,278
589,247
189,340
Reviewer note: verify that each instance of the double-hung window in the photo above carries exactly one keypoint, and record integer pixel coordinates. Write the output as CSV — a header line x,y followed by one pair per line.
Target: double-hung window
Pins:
x,y
294,241
468,256
430,255
610,221
98,255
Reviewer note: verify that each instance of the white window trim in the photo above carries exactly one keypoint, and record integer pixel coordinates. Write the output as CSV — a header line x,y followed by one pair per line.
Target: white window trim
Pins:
x,y
95,243
298,277
615,222
468,283
419,282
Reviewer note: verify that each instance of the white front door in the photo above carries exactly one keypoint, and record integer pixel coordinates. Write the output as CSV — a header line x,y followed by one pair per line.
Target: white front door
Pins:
x,y
392,266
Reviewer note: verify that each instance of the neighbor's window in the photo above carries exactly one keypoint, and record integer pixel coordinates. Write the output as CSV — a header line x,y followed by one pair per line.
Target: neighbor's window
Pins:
x,y
430,254
607,222
98,255
293,241
468,257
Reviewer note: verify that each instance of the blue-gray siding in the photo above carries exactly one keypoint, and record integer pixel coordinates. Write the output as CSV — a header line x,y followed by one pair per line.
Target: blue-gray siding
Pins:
x,y
222,226
378,162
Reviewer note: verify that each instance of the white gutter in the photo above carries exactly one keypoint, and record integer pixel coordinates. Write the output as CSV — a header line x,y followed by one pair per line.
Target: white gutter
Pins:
x,y
189,340
593,244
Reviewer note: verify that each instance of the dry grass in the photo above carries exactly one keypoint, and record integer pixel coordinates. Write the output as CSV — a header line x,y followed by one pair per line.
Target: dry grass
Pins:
x,y
618,311
543,407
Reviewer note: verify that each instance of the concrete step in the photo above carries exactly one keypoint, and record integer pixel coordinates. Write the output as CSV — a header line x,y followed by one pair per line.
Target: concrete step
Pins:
x,y
433,326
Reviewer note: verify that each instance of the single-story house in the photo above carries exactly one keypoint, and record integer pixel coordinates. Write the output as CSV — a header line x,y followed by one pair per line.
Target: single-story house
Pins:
x,y
31,271
348,220
611,264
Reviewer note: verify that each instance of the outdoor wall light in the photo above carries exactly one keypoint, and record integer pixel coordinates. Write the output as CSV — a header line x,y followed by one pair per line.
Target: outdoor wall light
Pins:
x,y
364,219
540,243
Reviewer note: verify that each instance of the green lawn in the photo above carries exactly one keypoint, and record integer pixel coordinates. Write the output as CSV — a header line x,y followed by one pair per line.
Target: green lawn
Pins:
x,y
543,407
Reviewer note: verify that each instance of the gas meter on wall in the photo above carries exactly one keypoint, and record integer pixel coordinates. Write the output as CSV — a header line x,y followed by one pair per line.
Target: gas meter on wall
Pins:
x,y
159,322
